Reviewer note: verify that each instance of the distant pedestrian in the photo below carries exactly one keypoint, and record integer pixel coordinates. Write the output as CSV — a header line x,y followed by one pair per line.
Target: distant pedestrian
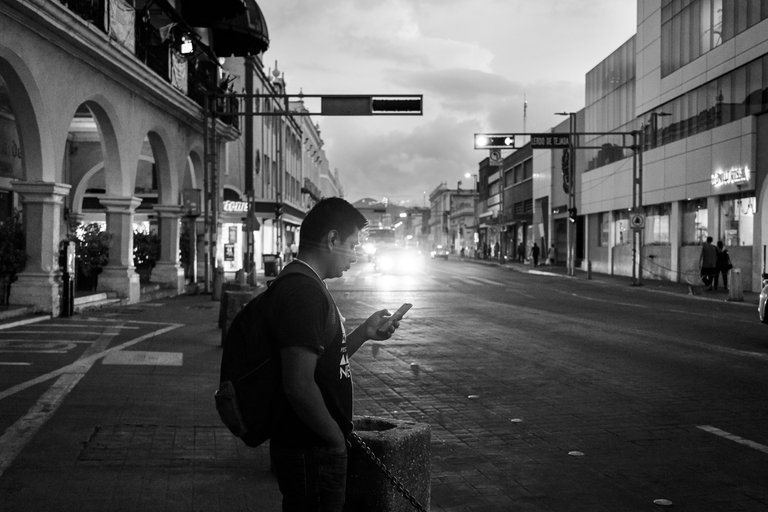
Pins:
x,y
535,254
521,252
723,265
497,250
552,255
708,263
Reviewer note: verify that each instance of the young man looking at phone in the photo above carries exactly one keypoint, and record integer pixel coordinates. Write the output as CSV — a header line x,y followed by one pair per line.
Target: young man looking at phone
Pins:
x,y
309,447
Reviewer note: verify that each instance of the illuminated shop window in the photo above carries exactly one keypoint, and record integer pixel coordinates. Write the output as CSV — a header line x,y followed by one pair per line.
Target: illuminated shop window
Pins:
x,y
737,216
695,222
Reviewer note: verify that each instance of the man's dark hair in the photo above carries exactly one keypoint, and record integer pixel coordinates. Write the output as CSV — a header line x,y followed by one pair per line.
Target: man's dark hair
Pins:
x,y
329,214
709,239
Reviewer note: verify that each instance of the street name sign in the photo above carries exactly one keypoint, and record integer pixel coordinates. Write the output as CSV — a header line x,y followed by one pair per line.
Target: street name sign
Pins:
x,y
549,140
494,141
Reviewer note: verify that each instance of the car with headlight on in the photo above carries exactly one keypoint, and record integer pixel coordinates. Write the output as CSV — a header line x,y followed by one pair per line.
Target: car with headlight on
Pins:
x,y
377,239
761,306
439,252
398,260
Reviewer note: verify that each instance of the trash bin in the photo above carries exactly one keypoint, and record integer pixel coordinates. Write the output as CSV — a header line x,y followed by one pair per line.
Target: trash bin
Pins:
x,y
270,264
404,447
735,286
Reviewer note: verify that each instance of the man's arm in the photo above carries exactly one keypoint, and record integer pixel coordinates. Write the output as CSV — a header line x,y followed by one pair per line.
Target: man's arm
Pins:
x,y
298,364
368,330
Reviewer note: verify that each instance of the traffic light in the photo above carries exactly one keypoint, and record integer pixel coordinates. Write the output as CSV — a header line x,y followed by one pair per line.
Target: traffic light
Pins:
x,y
395,105
572,214
278,209
494,141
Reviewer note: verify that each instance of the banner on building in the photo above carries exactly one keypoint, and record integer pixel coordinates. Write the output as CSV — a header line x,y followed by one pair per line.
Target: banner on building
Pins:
x,y
179,71
122,20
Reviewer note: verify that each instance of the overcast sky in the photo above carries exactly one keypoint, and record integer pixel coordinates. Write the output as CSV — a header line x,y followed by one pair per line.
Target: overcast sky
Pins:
x,y
473,60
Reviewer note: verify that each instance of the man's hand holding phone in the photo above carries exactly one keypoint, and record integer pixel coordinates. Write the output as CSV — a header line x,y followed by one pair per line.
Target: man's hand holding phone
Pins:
x,y
381,324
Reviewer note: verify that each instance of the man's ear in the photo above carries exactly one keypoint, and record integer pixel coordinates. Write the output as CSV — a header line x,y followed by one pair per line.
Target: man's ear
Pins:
x,y
333,239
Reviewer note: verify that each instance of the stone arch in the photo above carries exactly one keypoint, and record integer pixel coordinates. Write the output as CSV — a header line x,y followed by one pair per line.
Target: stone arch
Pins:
x,y
82,185
194,171
167,176
108,123
35,139
233,189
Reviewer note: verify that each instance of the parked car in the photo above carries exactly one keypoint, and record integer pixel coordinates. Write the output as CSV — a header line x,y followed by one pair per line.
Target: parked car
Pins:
x,y
440,252
763,299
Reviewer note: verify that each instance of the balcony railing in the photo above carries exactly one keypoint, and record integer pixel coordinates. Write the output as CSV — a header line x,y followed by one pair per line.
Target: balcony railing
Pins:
x,y
156,48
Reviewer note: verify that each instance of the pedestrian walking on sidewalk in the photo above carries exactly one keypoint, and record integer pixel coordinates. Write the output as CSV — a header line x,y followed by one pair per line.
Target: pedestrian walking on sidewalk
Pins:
x,y
521,252
308,447
535,254
723,265
708,263
552,255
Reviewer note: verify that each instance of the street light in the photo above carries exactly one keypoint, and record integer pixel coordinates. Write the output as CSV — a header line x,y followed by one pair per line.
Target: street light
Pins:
x,y
474,180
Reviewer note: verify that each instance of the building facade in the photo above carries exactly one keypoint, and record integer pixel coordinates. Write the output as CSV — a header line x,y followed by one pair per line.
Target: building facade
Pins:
x,y
694,83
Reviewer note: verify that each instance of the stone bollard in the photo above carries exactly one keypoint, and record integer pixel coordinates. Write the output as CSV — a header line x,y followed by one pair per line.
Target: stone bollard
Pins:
x,y
235,301
404,447
735,286
229,286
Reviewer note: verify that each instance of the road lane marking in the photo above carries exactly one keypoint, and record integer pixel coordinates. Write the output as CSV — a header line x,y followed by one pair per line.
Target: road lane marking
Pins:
x,y
144,358
85,361
88,324
628,304
733,437
23,322
77,333
9,363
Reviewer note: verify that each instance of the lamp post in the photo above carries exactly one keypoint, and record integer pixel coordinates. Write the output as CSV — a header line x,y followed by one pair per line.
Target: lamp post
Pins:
x,y
637,193
570,234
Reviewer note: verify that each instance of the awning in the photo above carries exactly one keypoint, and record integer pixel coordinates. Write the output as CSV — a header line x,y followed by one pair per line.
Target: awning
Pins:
x,y
241,35
203,14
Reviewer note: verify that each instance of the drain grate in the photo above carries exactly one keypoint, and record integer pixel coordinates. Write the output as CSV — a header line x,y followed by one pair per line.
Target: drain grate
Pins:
x,y
165,445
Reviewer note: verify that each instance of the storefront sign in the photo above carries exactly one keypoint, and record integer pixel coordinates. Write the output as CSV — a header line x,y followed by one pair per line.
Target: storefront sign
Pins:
x,y
733,176
235,206
229,252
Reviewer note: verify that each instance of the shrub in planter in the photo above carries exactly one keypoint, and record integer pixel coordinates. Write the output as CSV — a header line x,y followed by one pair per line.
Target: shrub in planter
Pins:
x,y
13,257
92,253
146,252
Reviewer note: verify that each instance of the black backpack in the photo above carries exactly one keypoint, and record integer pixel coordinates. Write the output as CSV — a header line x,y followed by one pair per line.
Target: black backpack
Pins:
x,y
250,395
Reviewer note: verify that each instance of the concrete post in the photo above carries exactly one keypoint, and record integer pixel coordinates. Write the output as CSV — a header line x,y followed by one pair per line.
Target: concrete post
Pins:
x,y
404,447
39,283
167,269
119,275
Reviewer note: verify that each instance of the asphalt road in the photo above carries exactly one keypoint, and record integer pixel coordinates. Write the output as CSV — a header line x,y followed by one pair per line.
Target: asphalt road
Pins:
x,y
551,393
544,393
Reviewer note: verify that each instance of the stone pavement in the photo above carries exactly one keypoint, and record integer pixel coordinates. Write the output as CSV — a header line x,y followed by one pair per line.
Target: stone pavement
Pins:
x,y
147,437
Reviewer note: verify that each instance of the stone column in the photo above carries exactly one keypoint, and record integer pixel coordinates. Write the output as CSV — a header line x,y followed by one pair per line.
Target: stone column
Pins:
x,y
39,283
119,275
168,269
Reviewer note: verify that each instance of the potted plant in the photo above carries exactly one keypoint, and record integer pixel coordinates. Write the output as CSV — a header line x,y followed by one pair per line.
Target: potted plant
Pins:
x,y
92,254
146,252
12,254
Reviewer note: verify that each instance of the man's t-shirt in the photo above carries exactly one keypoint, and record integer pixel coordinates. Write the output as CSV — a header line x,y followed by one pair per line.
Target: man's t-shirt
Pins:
x,y
301,306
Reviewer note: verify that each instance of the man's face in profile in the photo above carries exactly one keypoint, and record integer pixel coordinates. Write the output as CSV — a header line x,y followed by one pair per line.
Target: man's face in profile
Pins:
x,y
344,254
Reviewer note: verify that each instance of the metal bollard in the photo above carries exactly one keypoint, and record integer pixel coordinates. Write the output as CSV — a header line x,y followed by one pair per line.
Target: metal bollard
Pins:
x,y
735,286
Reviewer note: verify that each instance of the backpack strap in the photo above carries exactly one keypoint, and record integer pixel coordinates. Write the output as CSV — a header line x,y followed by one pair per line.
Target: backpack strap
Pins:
x,y
295,268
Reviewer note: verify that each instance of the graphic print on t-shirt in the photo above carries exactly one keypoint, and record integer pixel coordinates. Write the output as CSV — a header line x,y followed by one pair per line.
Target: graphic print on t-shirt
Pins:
x,y
345,372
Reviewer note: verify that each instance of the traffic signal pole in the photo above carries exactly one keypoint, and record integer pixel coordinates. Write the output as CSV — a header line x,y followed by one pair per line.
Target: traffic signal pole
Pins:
x,y
570,144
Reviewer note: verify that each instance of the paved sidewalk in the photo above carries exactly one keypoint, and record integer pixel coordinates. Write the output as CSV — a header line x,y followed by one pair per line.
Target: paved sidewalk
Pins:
x,y
655,285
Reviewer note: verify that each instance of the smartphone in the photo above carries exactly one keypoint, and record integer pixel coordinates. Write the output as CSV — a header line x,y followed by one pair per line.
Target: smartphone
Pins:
x,y
397,315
